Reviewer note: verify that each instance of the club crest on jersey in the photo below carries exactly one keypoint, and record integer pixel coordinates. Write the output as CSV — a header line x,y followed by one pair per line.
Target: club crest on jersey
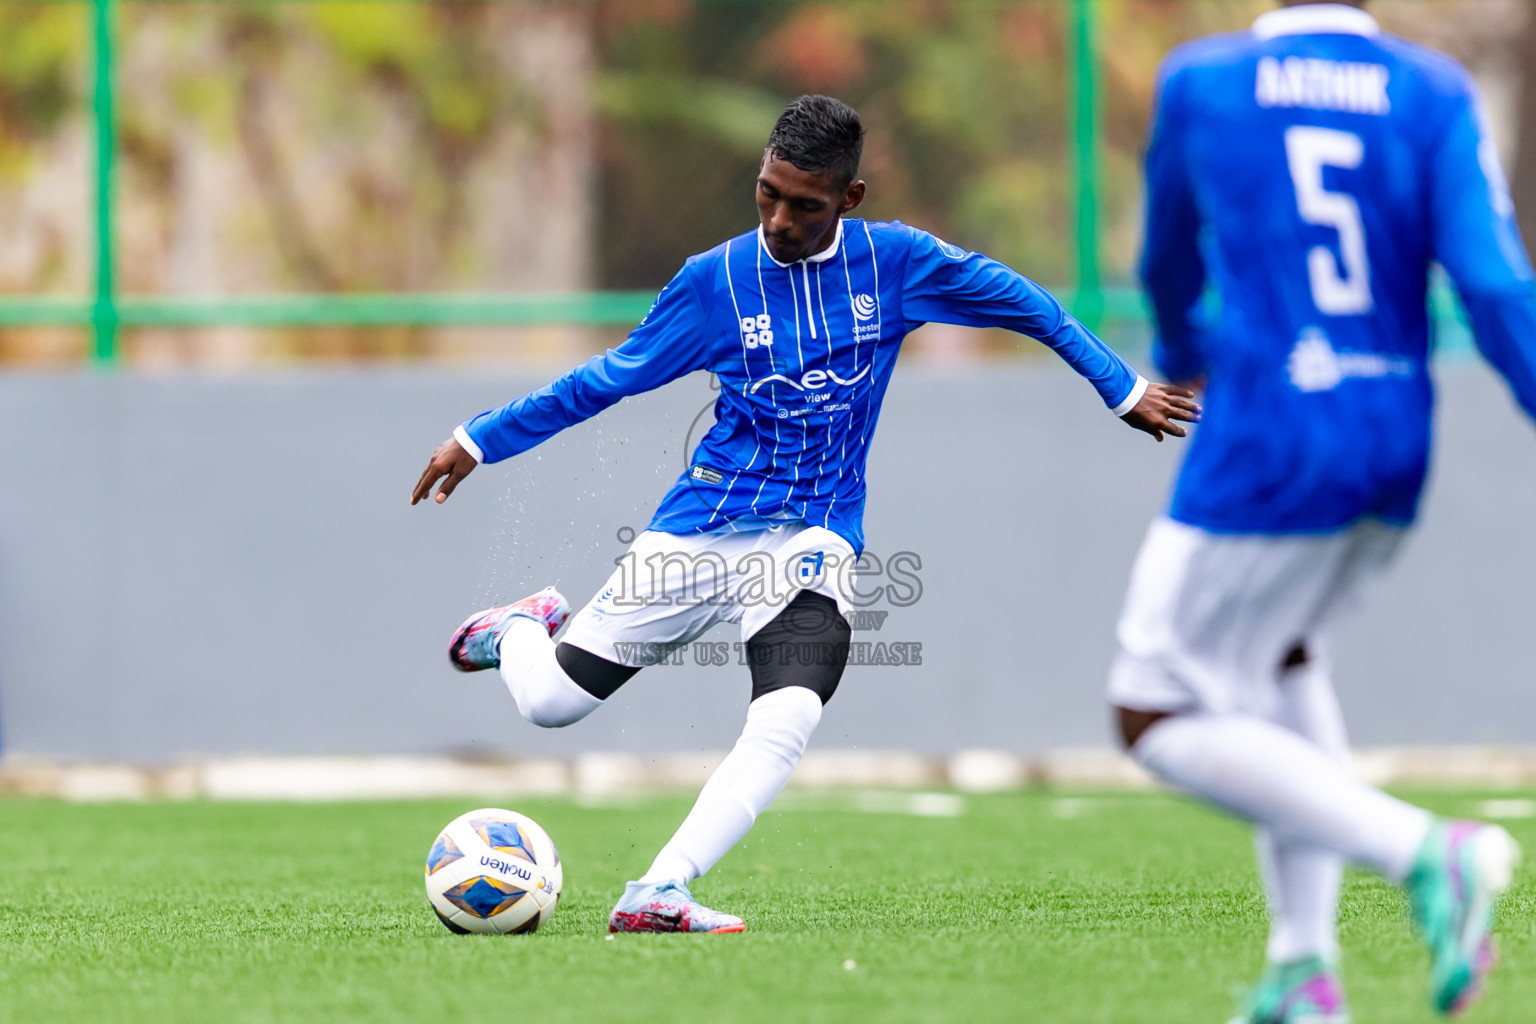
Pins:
x,y
863,306
757,330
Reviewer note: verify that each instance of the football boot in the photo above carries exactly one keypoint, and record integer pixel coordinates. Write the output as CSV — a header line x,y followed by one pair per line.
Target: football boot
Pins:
x,y
476,644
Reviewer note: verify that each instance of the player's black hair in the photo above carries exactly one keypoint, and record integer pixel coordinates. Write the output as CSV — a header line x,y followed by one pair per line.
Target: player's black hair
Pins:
x,y
821,135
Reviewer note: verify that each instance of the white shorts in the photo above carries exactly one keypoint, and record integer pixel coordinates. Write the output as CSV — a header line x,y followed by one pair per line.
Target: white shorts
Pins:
x,y
1209,618
670,588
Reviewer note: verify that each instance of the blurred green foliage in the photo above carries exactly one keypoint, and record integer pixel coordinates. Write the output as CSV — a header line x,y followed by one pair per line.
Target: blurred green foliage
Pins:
x,y
41,56
370,127
965,102
966,105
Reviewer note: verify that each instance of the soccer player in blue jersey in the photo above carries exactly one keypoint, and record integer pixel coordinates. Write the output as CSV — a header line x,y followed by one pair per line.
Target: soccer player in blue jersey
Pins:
x,y
1308,171
801,320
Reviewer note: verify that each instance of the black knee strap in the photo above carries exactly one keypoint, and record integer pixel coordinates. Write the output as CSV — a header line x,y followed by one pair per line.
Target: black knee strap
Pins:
x,y
806,645
598,676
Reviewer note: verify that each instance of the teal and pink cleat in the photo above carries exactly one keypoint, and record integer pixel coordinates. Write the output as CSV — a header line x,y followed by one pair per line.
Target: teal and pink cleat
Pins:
x,y
667,907
476,644
1305,991
1459,874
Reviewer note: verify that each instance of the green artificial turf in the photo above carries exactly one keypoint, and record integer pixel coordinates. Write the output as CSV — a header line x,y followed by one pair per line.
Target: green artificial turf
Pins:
x,y
1024,907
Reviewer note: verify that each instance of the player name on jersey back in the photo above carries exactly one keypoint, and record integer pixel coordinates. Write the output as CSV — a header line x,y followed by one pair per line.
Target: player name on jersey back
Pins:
x,y
1350,86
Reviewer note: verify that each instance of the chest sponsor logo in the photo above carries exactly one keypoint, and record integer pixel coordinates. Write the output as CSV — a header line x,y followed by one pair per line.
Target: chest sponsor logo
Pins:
x,y
810,380
757,330
863,306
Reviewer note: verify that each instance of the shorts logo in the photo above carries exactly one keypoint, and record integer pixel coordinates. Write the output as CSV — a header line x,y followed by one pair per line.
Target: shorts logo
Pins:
x,y
863,306
757,330
811,565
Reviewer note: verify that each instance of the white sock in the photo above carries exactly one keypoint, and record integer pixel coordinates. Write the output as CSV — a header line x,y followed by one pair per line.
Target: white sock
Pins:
x,y
1302,882
545,695
779,724
1302,879
1270,775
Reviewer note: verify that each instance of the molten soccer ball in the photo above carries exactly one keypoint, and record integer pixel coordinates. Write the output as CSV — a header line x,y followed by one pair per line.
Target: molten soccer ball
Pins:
x,y
493,871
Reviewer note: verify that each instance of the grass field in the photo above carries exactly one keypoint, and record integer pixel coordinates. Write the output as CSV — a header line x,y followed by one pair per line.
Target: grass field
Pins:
x,y
1024,907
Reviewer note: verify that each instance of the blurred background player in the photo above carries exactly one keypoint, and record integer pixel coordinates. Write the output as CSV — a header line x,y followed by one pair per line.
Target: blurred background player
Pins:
x,y
801,320
1309,170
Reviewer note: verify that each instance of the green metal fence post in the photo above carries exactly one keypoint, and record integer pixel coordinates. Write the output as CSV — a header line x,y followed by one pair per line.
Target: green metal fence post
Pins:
x,y
104,309
1083,118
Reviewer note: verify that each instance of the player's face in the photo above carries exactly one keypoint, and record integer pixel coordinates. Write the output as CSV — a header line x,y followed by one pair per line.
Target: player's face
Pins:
x,y
799,209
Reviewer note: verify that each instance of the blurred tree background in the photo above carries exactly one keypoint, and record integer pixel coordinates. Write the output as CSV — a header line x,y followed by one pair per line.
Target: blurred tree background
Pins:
x,y
448,145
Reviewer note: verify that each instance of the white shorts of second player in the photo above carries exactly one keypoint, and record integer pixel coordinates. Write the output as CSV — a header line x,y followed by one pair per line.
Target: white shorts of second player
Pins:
x,y
671,588
1209,617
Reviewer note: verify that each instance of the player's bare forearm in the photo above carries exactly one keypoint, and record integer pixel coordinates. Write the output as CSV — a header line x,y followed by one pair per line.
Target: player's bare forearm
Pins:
x,y
1162,409
450,463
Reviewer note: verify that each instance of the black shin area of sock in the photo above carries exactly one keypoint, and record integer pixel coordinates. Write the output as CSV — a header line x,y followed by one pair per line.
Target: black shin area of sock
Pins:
x,y
598,676
806,645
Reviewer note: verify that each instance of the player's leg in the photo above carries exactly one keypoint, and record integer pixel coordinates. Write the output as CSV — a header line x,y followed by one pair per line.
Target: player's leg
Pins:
x,y
1453,871
552,685
1208,619
797,660
1267,774
1210,743
665,593
1302,879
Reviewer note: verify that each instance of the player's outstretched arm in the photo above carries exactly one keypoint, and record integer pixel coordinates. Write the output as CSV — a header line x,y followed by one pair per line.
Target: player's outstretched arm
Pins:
x,y
667,344
450,461
1162,409
1478,242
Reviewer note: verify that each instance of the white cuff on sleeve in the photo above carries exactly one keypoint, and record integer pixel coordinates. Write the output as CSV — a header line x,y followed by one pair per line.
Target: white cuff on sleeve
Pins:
x,y
1130,399
468,443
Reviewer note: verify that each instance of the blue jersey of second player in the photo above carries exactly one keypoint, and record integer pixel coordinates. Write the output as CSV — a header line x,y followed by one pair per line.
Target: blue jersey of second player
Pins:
x,y
803,353
1310,171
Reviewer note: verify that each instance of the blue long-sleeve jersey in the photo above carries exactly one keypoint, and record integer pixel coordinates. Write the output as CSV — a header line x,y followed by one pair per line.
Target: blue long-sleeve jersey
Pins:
x,y
1310,171
803,353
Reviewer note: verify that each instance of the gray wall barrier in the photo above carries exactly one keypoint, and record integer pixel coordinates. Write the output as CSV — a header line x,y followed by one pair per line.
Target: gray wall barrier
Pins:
x,y
204,565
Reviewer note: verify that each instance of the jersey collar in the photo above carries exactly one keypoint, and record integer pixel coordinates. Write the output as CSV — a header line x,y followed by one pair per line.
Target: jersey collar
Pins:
x,y
1315,19
825,254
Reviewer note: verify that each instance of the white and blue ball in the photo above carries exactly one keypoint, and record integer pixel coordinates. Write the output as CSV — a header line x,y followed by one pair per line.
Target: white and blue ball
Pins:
x,y
494,872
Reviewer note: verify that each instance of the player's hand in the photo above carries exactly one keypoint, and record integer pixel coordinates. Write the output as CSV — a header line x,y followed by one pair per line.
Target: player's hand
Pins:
x,y
452,461
1161,410
1195,383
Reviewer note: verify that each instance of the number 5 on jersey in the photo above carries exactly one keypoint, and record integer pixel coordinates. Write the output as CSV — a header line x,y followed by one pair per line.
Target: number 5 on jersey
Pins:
x,y
1308,150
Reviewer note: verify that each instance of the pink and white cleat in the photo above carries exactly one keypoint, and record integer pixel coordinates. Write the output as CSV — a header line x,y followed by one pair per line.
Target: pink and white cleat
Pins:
x,y
668,907
476,644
